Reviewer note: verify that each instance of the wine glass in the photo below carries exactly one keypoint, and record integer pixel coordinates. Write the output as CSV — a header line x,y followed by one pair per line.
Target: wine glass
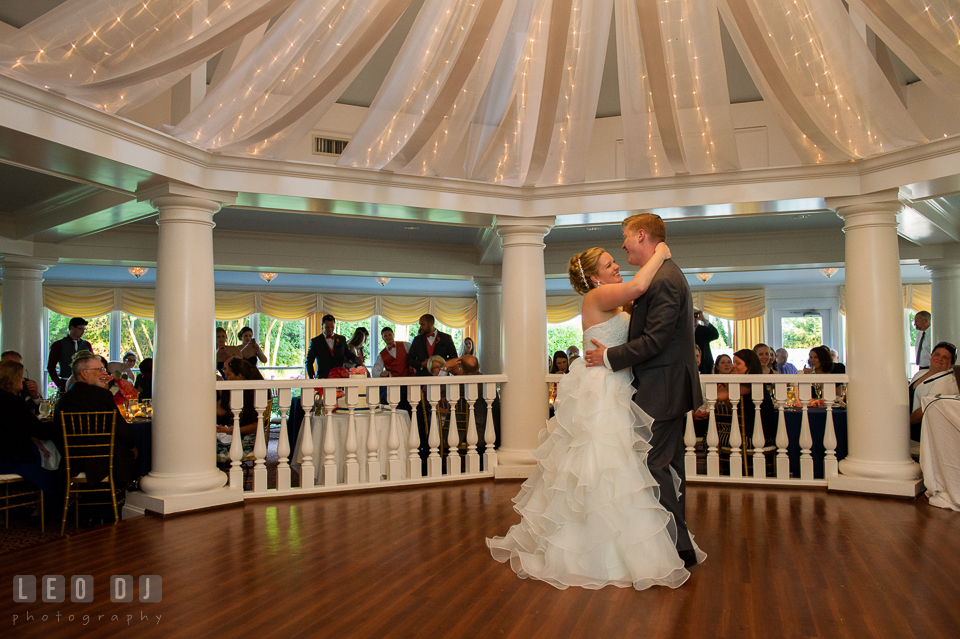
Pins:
x,y
46,407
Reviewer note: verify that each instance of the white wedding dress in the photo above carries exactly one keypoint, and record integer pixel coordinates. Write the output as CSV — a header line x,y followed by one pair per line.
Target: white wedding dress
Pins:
x,y
590,511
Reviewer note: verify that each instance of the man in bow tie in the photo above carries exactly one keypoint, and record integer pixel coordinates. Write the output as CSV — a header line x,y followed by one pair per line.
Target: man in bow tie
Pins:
x,y
327,349
429,342
63,350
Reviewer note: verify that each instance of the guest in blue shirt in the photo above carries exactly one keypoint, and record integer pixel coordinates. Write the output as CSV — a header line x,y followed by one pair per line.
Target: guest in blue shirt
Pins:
x,y
783,366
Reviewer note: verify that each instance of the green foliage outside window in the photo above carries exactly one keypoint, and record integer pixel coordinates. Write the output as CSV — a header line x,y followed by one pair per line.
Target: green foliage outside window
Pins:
x,y
802,332
97,333
562,336
136,335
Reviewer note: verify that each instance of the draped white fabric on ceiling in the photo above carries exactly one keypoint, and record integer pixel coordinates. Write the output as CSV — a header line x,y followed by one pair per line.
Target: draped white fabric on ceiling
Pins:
x,y
511,86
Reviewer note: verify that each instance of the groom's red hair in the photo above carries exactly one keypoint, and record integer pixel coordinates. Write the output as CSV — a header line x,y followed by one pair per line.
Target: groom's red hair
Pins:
x,y
649,222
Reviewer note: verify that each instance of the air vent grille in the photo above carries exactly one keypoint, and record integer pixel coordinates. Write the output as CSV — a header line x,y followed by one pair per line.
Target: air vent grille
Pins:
x,y
328,146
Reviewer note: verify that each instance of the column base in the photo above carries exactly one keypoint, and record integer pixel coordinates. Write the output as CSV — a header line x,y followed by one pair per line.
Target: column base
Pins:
x,y
909,488
514,464
138,502
169,484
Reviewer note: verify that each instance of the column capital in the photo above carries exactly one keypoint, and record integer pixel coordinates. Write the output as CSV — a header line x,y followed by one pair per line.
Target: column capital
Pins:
x,y
39,264
486,284
887,201
943,265
523,225
154,192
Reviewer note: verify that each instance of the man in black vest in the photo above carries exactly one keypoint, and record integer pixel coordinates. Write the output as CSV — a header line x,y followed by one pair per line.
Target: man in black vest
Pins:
x,y
63,350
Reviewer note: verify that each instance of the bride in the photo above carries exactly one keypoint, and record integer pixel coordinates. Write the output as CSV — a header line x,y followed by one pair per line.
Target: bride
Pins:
x,y
590,514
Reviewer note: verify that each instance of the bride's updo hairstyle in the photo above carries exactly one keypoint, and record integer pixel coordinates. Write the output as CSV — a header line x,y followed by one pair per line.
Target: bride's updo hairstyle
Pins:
x,y
582,267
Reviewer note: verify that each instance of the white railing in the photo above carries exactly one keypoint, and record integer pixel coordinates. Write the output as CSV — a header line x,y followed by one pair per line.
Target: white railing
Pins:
x,y
403,464
790,458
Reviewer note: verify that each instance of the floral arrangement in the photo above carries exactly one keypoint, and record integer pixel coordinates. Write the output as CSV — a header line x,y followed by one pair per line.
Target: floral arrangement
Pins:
x,y
122,390
359,370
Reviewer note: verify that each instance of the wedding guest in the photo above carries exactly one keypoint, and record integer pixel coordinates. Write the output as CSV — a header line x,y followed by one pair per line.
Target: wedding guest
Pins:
x,y
746,362
467,348
62,352
237,369
356,353
30,392
820,362
327,350
560,364
921,321
783,366
572,353
703,333
943,357
768,363
723,365
144,383
429,342
89,394
392,362
224,352
471,366
249,349
21,433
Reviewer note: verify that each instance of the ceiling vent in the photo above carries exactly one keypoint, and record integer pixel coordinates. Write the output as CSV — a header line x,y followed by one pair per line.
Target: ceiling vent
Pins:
x,y
328,146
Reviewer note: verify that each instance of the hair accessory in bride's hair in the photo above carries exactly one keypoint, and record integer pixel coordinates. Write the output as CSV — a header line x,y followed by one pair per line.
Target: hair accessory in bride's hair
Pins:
x,y
585,280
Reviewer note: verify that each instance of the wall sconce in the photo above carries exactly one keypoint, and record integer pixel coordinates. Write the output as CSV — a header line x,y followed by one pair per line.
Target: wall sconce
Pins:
x,y
268,277
828,272
382,280
704,277
137,271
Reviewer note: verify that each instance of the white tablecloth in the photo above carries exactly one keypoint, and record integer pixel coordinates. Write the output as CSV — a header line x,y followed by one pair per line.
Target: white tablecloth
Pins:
x,y
940,450
318,426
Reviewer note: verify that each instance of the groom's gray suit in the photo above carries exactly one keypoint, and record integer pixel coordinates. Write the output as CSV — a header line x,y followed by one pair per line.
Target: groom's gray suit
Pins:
x,y
660,350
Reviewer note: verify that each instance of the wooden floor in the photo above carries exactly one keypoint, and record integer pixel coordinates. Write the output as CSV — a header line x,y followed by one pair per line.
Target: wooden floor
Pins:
x,y
782,563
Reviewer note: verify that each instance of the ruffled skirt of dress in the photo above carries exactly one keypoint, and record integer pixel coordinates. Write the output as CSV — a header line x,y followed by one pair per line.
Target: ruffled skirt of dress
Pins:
x,y
590,510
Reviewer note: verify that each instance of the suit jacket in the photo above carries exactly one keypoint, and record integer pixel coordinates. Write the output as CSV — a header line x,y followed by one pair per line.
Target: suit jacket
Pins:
x,y
443,346
86,398
320,352
660,347
61,353
17,425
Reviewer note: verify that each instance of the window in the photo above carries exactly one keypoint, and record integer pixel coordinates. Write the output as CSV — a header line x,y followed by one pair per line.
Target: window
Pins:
x,y
97,333
800,334
283,344
562,336
136,335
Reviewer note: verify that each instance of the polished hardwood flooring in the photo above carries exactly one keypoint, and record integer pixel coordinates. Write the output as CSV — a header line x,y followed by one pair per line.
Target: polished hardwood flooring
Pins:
x,y
412,563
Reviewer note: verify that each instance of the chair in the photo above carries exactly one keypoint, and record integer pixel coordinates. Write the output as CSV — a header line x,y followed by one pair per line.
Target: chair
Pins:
x,y
88,436
34,497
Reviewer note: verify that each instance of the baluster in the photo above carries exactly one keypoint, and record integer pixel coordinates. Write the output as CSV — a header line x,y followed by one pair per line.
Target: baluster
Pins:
x,y
260,445
414,468
434,462
236,449
690,440
330,470
394,467
783,439
453,432
831,467
283,445
308,474
759,461
806,439
736,458
373,444
713,438
489,433
352,470
473,457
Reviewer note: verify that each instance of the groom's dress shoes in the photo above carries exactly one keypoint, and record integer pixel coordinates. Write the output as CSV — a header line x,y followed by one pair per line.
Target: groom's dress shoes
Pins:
x,y
689,558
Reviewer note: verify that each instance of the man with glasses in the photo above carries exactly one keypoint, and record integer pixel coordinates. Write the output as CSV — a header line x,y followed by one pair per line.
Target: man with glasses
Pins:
x,y
63,350
89,394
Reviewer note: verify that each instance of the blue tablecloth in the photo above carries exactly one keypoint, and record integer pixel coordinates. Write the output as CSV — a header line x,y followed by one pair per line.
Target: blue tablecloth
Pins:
x,y
818,423
143,440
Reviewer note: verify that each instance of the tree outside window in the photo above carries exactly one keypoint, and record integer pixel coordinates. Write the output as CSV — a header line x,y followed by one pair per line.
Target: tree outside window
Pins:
x,y
563,335
136,335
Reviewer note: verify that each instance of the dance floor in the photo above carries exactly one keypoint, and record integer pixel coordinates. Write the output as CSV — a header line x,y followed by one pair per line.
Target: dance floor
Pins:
x,y
412,563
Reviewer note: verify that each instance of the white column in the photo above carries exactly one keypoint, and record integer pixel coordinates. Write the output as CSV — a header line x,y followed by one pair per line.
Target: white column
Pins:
x,y
945,294
878,431
489,305
22,316
184,474
524,399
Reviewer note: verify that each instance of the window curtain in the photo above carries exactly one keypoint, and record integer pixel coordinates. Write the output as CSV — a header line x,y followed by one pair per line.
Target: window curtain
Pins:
x,y
747,333
563,308
916,297
740,304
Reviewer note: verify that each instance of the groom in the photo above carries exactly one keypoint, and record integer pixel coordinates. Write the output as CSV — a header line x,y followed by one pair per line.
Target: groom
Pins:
x,y
660,350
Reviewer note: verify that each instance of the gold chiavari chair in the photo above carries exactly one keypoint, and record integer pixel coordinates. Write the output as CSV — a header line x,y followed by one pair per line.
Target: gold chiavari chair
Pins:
x,y
22,489
88,436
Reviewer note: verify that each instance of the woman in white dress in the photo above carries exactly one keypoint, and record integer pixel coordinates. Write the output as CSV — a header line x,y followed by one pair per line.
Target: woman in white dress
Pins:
x,y
590,514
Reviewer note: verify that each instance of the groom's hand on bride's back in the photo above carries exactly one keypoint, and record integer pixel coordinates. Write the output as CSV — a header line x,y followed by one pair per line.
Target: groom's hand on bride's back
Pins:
x,y
595,357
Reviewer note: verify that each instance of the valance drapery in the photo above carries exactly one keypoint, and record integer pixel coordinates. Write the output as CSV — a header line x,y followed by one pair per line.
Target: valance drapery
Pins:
x,y
916,297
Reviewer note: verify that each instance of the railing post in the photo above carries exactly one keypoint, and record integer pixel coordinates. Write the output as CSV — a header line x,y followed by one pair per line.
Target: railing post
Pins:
x,y
260,445
373,444
759,440
329,438
236,448
414,466
806,439
283,445
473,458
783,439
736,440
434,462
831,467
308,473
394,466
489,433
453,432
713,438
690,441
352,468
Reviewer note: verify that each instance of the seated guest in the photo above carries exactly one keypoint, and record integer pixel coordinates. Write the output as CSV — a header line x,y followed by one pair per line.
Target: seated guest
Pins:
x,y
783,366
89,394
470,365
768,363
236,369
723,365
30,392
820,362
429,342
468,347
356,352
144,383
249,349
327,350
560,363
125,367
746,362
224,352
572,353
926,381
21,432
